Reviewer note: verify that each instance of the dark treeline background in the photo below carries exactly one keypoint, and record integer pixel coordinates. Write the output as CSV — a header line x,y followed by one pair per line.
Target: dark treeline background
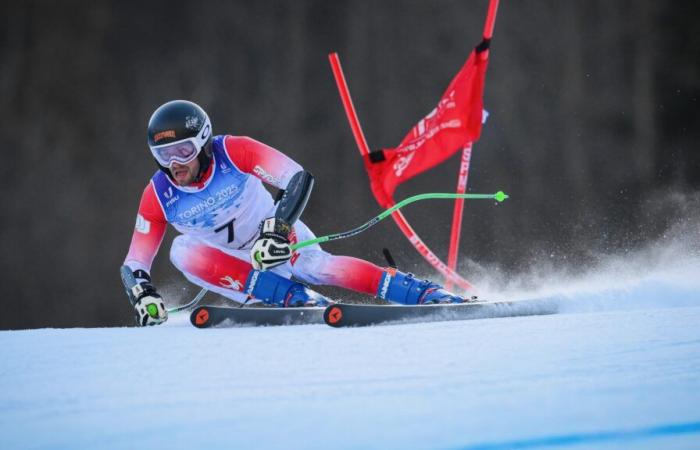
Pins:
x,y
593,128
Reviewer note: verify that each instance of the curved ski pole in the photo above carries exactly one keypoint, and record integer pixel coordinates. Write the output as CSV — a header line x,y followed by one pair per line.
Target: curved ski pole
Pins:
x,y
498,196
192,303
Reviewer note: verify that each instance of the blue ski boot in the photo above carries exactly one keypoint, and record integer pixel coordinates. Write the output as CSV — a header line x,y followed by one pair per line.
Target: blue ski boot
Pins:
x,y
276,290
405,288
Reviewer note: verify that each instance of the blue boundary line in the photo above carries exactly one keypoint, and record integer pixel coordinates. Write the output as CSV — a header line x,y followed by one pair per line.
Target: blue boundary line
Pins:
x,y
590,438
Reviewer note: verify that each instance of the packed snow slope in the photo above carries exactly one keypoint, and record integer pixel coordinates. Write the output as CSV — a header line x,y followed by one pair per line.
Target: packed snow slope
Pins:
x,y
617,367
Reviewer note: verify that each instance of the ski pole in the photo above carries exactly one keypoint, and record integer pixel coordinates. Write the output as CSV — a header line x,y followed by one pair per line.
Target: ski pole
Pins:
x,y
498,196
129,282
192,302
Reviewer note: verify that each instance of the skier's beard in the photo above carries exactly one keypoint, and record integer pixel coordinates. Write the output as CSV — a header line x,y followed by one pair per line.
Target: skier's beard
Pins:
x,y
185,174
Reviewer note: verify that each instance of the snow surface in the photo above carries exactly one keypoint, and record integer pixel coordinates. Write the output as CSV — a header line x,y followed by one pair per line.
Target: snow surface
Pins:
x,y
618,367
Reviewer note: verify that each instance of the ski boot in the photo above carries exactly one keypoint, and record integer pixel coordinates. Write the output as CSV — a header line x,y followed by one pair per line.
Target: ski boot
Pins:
x,y
275,290
405,288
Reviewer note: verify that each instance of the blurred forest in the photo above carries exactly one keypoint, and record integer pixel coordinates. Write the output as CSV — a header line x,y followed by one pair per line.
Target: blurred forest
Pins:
x,y
593,127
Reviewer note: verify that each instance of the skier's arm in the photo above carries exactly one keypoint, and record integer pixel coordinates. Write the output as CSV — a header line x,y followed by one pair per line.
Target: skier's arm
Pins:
x,y
273,246
276,169
262,161
148,235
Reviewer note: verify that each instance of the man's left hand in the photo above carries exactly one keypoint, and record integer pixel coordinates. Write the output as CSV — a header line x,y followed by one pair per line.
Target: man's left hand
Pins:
x,y
272,247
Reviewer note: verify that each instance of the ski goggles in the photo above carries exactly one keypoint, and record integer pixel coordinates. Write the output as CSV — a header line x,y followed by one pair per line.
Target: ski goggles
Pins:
x,y
181,152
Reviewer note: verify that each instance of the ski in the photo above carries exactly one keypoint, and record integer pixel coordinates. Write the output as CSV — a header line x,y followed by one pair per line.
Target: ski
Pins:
x,y
358,315
222,316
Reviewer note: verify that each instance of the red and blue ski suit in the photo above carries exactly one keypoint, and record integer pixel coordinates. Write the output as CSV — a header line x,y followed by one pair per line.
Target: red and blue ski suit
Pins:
x,y
219,217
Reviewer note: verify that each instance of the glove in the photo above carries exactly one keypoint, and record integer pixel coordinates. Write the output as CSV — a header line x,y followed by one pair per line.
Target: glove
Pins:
x,y
272,247
149,306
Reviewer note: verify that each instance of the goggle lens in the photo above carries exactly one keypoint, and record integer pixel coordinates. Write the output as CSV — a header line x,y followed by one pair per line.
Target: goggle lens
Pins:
x,y
181,152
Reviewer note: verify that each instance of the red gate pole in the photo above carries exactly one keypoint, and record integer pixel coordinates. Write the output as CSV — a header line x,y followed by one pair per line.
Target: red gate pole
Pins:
x,y
457,214
398,217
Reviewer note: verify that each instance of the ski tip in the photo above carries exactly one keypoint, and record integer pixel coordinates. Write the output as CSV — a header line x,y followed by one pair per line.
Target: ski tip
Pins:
x,y
200,317
333,316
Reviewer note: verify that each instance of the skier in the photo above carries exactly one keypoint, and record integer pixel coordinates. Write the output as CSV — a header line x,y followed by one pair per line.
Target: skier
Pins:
x,y
210,188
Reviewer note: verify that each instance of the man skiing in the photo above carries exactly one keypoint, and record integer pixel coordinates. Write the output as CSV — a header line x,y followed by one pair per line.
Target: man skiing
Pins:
x,y
235,240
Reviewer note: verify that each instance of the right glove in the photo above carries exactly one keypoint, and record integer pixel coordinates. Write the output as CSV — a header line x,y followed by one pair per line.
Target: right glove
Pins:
x,y
149,306
272,247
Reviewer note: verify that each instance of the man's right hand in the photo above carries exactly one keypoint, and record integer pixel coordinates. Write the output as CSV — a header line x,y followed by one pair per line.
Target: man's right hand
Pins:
x,y
272,247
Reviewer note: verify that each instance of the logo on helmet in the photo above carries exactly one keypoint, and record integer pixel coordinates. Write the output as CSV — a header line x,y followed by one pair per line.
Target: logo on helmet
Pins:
x,y
163,135
205,132
192,122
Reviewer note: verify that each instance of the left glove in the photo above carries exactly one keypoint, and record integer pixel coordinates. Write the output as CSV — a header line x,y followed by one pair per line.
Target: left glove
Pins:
x,y
272,247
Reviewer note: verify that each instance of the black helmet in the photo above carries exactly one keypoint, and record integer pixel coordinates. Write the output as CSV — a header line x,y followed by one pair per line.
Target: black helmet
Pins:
x,y
179,131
